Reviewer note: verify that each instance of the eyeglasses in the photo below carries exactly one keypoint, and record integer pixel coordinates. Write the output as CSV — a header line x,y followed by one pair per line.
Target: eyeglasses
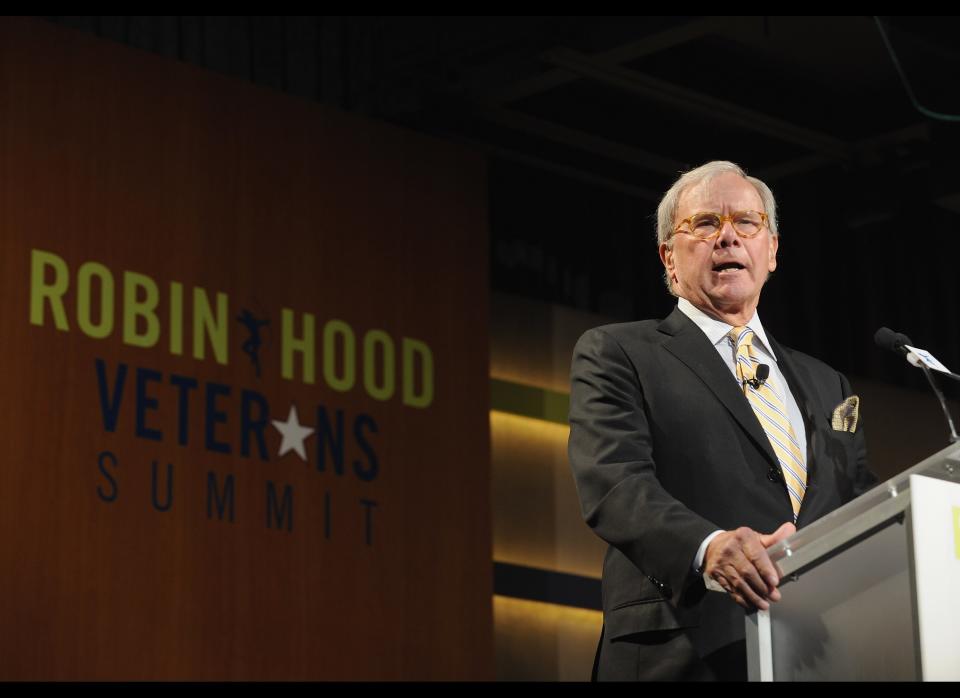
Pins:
x,y
706,225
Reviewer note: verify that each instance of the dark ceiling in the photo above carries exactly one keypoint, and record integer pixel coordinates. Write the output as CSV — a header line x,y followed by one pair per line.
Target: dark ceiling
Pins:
x,y
601,98
586,120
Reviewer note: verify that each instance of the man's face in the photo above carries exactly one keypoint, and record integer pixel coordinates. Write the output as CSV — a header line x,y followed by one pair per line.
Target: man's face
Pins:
x,y
692,264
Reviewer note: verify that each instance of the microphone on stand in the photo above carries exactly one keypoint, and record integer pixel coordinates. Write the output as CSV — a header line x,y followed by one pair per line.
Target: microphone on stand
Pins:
x,y
894,341
886,338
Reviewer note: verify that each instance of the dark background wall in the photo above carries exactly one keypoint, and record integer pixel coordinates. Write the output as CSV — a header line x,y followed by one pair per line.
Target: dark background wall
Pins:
x,y
586,120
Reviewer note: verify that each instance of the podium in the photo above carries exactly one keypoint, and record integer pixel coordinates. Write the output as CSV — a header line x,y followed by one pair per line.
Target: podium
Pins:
x,y
872,590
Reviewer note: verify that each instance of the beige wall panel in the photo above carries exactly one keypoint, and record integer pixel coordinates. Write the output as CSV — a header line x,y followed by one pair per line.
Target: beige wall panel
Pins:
x,y
544,642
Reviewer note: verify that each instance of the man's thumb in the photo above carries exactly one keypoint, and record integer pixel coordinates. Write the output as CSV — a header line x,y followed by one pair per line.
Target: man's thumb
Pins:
x,y
785,531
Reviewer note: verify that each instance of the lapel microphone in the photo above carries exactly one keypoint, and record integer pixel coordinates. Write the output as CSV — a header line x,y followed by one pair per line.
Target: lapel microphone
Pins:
x,y
759,378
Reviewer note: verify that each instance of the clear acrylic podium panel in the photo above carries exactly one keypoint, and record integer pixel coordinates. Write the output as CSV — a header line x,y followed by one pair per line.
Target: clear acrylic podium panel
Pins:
x,y
853,592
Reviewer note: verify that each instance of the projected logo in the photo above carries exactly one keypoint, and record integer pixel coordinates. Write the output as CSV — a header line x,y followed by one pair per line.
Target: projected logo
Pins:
x,y
235,420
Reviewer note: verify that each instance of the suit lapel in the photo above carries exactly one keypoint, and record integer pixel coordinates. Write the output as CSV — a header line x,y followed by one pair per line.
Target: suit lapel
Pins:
x,y
692,347
799,382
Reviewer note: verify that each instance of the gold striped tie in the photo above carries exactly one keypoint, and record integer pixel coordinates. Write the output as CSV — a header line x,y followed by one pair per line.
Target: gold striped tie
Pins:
x,y
770,407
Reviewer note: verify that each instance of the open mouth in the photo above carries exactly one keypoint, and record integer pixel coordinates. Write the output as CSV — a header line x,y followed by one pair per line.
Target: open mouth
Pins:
x,y
728,267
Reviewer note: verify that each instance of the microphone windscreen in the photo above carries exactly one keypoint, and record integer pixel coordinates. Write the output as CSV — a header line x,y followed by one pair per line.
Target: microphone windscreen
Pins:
x,y
888,339
763,372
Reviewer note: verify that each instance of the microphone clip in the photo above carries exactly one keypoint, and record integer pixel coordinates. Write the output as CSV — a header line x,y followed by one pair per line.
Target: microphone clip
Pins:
x,y
759,378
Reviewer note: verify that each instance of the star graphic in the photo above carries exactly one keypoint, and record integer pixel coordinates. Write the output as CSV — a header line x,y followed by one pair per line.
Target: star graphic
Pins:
x,y
293,433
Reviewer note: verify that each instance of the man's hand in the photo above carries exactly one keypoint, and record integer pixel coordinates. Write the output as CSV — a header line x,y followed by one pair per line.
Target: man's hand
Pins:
x,y
737,561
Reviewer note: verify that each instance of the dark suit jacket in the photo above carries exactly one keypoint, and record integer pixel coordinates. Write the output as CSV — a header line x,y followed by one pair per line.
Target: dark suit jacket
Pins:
x,y
665,449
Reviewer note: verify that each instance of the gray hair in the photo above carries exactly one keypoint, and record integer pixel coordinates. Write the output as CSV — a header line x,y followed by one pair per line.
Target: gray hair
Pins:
x,y
667,210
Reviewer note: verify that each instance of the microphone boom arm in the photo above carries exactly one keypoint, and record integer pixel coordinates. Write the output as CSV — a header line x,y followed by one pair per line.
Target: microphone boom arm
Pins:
x,y
943,402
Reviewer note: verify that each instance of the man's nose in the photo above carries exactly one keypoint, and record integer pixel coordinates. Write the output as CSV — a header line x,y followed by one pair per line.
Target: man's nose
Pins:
x,y
728,236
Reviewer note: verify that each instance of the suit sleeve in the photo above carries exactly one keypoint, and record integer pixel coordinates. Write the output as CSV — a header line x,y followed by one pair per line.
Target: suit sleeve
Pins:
x,y
611,454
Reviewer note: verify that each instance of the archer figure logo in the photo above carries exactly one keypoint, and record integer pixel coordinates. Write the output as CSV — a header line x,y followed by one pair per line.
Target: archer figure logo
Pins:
x,y
252,346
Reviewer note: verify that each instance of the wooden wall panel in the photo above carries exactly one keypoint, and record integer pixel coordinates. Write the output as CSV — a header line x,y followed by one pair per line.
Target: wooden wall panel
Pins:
x,y
143,166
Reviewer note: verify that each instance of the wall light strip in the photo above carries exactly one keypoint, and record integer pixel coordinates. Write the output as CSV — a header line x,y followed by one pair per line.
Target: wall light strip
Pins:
x,y
529,401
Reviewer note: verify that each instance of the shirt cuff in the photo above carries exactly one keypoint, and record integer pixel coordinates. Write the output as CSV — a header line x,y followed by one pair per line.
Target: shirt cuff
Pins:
x,y
698,562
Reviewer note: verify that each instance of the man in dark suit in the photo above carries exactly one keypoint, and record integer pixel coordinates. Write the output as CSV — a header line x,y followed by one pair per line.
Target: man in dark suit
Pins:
x,y
689,460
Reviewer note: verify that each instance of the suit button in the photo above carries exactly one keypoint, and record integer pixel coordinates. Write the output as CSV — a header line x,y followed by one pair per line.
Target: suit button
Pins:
x,y
773,475
663,588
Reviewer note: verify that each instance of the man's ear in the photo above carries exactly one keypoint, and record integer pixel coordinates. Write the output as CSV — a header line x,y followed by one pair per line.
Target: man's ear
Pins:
x,y
666,256
774,246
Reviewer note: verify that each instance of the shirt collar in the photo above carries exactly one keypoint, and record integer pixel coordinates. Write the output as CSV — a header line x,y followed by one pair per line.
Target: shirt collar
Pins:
x,y
717,331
